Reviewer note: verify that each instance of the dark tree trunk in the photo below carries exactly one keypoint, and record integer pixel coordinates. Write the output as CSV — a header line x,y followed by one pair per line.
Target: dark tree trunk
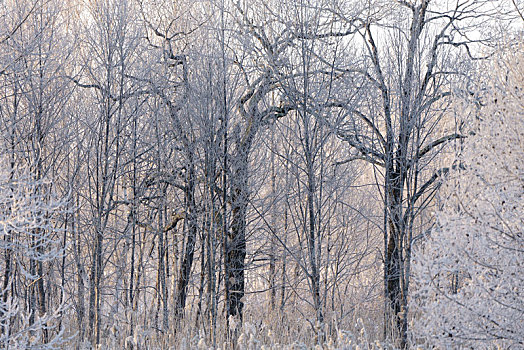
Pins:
x,y
187,262
94,289
394,260
236,245
7,276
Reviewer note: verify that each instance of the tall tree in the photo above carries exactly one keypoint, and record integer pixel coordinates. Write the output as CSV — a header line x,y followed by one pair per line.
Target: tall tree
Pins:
x,y
35,95
399,127
107,57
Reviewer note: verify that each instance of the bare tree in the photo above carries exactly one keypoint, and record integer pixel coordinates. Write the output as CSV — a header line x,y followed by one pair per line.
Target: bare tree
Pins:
x,y
37,92
409,69
106,63
237,172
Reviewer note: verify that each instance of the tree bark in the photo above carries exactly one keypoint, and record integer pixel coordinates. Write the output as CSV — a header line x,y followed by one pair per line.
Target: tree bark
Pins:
x,y
187,262
236,237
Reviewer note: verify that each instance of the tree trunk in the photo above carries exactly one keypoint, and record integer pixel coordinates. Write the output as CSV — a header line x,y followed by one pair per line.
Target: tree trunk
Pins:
x,y
187,262
394,264
236,238
162,265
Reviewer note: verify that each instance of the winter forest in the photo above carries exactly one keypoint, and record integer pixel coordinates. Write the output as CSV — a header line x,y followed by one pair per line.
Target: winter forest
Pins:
x,y
261,174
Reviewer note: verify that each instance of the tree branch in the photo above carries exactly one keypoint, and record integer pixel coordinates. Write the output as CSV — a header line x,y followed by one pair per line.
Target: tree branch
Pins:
x,y
432,180
425,150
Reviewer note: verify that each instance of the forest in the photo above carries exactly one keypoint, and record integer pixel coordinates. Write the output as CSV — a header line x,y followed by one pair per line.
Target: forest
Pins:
x,y
261,174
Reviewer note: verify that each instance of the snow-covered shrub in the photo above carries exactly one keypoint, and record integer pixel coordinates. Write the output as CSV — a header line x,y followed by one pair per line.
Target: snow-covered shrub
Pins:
x,y
469,274
28,237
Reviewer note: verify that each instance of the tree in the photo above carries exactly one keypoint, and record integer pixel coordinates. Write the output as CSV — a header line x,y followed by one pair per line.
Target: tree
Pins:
x,y
32,108
172,87
468,274
310,150
405,80
254,112
107,56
